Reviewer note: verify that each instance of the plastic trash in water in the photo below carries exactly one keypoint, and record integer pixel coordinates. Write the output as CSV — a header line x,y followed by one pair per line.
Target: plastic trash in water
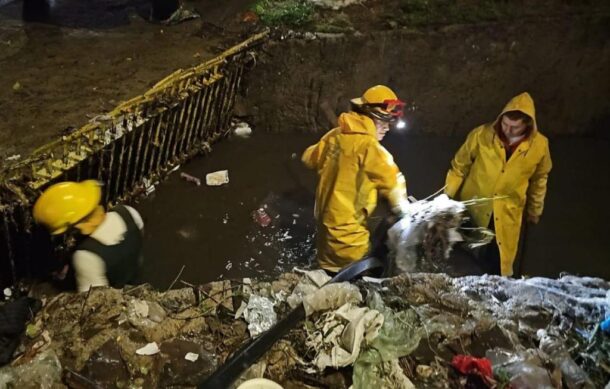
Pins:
x,y
243,130
188,178
261,217
218,178
192,357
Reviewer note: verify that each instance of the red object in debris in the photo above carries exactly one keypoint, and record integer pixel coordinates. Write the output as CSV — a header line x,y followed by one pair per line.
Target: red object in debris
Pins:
x,y
261,217
466,364
249,17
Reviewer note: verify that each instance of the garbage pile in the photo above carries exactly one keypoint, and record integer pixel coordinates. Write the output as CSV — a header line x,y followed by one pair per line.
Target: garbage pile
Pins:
x,y
416,330
423,239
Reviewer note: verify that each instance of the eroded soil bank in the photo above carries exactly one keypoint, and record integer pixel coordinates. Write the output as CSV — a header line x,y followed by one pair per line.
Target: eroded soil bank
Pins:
x,y
453,77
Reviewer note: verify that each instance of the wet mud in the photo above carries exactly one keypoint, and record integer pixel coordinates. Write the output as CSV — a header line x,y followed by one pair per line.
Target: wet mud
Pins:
x,y
75,60
453,77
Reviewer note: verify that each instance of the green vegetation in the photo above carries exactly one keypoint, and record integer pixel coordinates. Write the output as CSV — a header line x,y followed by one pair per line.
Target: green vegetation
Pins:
x,y
291,13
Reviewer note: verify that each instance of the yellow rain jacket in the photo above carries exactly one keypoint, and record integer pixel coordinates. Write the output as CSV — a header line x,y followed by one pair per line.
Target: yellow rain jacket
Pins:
x,y
352,166
480,170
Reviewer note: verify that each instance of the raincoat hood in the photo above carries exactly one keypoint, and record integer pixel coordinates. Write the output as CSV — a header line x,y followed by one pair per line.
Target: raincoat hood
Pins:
x,y
353,169
517,184
523,103
354,123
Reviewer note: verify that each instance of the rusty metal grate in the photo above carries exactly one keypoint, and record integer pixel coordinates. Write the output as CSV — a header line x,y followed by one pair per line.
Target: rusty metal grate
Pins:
x,y
127,149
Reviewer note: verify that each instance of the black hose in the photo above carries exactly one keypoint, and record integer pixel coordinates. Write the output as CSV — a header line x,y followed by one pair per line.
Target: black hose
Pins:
x,y
226,374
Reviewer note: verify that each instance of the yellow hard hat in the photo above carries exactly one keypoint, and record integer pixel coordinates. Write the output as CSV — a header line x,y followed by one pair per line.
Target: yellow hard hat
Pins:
x,y
380,102
64,204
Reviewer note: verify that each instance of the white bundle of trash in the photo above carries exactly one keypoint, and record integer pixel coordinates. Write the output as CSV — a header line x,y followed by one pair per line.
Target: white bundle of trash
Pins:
x,y
429,230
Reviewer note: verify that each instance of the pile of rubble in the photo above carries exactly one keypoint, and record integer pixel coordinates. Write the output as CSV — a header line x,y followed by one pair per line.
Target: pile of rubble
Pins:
x,y
416,330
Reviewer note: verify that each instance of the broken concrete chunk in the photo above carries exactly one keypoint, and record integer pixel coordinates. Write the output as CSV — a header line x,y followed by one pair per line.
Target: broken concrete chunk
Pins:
x,y
139,308
156,312
149,349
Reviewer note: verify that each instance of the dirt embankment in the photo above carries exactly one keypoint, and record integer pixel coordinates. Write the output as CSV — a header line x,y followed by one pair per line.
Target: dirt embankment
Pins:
x,y
85,59
453,77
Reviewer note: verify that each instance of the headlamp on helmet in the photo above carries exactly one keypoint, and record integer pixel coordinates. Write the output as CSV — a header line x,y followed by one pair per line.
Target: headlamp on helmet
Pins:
x,y
390,111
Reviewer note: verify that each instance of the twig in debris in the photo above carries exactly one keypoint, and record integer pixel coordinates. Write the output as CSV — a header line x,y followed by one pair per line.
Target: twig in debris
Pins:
x,y
176,279
134,288
52,302
427,336
211,296
75,379
225,290
82,310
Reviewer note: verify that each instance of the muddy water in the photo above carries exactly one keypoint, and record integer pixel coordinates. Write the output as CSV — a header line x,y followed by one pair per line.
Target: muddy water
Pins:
x,y
210,230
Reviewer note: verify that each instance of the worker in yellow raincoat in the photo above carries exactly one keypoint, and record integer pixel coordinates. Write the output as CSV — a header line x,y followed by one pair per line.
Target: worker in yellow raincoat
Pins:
x,y
352,167
508,160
